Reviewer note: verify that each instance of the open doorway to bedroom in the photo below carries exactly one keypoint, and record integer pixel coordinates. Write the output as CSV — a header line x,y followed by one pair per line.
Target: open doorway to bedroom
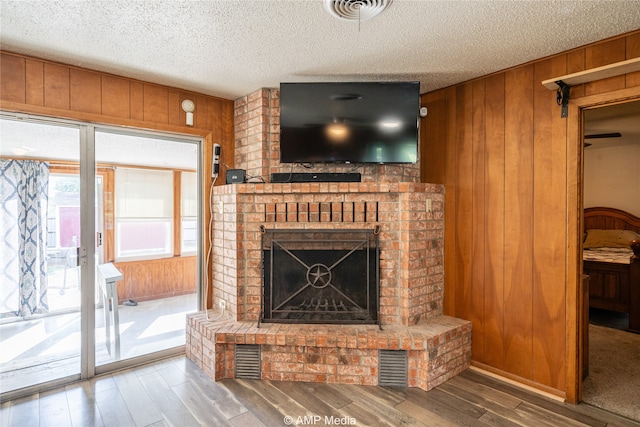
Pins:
x,y
611,203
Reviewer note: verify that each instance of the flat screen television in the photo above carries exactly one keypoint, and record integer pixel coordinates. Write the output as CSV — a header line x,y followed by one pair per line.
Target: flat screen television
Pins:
x,y
350,122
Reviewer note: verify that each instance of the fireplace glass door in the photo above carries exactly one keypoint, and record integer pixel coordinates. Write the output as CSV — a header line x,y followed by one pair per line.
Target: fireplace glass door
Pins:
x,y
320,276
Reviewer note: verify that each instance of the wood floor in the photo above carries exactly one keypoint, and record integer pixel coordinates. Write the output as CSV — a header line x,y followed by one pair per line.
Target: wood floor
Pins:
x,y
174,392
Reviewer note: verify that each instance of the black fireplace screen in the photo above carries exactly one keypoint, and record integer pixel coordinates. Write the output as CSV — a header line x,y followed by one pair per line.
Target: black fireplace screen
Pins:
x,y
320,276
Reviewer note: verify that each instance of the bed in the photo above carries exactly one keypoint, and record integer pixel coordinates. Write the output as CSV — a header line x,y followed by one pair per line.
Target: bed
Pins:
x,y
611,258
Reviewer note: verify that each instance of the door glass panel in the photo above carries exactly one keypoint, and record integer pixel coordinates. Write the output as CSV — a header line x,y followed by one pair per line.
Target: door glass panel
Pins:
x,y
40,284
147,276
63,241
189,212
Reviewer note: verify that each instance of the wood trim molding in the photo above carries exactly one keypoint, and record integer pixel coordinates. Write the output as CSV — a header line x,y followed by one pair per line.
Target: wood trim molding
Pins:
x,y
177,213
573,264
575,218
58,113
517,380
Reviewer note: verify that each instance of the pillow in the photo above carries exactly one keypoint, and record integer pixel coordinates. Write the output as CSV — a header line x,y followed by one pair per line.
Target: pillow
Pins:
x,y
609,238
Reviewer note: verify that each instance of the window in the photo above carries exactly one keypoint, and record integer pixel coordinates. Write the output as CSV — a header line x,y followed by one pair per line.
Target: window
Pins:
x,y
189,212
144,213
63,214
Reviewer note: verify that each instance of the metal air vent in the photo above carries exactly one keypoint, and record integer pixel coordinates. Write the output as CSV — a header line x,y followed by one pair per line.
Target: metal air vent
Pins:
x,y
247,361
356,10
393,368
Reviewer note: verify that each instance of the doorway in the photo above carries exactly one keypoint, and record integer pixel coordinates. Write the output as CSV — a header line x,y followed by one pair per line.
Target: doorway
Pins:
x,y
114,200
609,164
41,283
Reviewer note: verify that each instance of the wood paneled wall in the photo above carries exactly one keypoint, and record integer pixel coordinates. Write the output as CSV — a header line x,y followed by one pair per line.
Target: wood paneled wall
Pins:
x,y
512,174
34,86
157,278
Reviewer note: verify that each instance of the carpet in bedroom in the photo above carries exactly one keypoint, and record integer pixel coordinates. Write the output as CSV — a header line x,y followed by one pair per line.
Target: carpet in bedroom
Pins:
x,y
613,383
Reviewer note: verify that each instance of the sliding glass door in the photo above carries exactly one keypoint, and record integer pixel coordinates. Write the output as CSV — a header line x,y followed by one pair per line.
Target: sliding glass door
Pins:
x,y
147,277
99,248
40,273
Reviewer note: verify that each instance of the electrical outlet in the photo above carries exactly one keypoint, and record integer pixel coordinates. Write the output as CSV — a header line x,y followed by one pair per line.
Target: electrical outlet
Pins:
x,y
428,205
223,305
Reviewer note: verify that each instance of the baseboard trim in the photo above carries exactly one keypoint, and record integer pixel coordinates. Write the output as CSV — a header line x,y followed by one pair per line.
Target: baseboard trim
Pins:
x,y
517,381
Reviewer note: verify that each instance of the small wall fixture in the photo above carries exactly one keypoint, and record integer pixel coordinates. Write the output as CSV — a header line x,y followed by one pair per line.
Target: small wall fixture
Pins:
x,y
189,107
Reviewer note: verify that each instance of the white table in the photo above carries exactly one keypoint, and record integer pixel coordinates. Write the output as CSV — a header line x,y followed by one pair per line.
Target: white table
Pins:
x,y
108,276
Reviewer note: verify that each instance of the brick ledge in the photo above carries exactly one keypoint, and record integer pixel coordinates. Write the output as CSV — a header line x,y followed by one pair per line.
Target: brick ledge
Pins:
x,y
438,349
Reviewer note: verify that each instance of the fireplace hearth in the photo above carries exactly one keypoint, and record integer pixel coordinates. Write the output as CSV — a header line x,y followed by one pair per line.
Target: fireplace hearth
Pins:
x,y
342,259
320,276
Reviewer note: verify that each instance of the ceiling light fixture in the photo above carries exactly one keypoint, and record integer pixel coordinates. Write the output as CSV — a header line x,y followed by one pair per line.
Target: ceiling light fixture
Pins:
x,y
21,151
188,107
356,10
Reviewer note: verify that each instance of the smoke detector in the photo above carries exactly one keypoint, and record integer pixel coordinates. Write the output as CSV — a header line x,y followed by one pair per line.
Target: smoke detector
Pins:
x,y
356,10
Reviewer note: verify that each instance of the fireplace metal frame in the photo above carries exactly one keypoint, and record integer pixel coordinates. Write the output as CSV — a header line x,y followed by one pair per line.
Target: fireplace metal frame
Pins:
x,y
270,239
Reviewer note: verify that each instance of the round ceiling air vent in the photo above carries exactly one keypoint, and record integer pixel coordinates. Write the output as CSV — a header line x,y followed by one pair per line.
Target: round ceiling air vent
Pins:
x,y
356,10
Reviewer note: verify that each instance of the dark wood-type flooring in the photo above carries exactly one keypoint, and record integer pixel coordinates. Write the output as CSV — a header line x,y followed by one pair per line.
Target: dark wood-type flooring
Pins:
x,y
174,392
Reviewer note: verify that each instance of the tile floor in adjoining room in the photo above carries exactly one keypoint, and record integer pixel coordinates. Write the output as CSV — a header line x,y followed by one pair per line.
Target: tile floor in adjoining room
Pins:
x,y
43,348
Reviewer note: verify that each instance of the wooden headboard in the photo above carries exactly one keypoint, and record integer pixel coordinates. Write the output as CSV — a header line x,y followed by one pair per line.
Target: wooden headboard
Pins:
x,y
610,219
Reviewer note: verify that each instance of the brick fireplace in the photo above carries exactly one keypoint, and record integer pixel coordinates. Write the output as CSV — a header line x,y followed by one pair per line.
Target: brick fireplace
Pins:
x,y
409,221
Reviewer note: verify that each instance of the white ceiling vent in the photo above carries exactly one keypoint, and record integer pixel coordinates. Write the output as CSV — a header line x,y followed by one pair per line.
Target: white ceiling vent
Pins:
x,y
356,10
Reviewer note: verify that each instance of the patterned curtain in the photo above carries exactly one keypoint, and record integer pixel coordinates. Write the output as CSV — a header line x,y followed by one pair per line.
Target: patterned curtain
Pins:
x,y
23,237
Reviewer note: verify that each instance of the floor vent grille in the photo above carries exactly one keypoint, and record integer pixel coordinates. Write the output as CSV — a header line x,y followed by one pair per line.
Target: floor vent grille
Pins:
x,y
392,368
247,361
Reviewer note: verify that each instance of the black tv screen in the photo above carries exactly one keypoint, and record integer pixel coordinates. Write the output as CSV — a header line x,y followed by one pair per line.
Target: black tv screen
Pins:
x,y
358,122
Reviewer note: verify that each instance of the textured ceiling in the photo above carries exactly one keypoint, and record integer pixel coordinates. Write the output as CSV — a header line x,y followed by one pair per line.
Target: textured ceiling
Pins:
x,y
231,48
